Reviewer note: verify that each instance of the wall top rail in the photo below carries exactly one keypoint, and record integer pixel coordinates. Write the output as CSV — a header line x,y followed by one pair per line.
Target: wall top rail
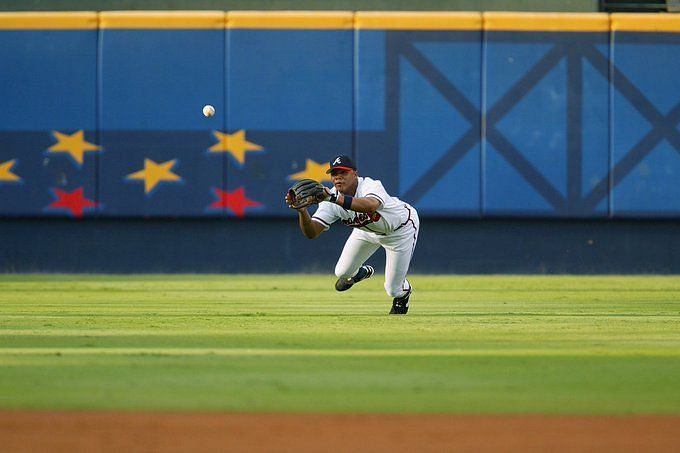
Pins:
x,y
415,20
343,20
338,20
551,22
660,23
66,20
162,20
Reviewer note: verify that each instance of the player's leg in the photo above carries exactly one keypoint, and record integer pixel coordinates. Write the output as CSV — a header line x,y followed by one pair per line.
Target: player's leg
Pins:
x,y
399,251
350,268
396,267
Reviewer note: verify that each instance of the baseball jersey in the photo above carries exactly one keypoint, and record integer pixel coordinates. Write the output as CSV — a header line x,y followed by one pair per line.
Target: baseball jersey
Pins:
x,y
392,213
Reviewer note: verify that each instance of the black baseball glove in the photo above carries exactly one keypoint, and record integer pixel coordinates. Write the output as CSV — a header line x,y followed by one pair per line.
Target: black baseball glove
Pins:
x,y
306,192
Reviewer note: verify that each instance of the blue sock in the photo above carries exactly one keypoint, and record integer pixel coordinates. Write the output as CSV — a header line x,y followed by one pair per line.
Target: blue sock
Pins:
x,y
361,274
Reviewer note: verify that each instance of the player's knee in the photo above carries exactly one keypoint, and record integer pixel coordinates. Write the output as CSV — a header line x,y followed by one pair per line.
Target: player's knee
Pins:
x,y
392,290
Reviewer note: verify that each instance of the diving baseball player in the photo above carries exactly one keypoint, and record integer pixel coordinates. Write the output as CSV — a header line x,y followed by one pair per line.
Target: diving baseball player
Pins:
x,y
378,219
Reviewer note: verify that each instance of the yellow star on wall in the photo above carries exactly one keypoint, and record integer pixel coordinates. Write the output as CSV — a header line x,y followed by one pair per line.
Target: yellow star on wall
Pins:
x,y
74,144
235,143
154,173
6,171
313,171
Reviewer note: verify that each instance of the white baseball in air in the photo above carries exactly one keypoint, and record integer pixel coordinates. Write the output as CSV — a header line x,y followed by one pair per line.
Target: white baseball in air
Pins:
x,y
208,111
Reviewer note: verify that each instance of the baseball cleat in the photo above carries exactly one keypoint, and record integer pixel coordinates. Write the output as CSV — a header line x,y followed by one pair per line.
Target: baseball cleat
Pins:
x,y
400,304
343,284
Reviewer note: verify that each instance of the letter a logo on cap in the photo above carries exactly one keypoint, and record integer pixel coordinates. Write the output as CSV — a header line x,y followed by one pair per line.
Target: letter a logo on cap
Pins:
x,y
341,163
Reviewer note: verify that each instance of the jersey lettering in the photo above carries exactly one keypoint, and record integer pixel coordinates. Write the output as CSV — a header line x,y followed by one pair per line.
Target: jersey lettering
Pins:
x,y
361,219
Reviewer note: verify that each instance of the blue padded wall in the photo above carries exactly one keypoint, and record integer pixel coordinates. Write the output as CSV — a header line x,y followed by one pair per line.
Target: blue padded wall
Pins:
x,y
546,124
48,120
290,108
154,83
418,116
460,114
645,133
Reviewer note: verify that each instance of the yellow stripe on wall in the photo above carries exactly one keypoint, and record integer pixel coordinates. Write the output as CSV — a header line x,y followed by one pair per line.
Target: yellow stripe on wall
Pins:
x,y
569,22
78,20
343,20
387,20
162,19
409,20
669,23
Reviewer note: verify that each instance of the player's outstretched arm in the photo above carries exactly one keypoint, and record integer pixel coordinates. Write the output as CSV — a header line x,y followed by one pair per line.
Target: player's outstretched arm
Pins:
x,y
310,228
358,204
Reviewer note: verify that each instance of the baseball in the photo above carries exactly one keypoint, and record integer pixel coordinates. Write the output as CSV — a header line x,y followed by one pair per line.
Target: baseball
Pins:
x,y
208,111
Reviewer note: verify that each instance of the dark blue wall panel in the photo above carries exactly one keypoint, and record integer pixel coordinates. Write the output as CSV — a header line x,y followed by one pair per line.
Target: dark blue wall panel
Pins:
x,y
157,158
290,79
646,113
426,107
547,124
48,98
459,246
290,98
376,144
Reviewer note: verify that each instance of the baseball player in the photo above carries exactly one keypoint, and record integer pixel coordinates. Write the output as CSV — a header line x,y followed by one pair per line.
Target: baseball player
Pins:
x,y
378,219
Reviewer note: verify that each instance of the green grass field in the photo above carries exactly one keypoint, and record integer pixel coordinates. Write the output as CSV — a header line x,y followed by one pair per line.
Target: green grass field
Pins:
x,y
496,344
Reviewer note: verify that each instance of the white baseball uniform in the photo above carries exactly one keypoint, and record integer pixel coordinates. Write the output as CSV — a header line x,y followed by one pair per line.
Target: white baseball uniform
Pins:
x,y
394,226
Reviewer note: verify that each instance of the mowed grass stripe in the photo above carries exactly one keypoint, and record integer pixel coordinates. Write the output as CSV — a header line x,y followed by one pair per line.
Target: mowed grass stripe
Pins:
x,y
340,352
491,344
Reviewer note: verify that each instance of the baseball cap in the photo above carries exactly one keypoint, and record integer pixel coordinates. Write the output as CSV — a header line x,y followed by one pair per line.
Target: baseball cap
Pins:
x,y
341,163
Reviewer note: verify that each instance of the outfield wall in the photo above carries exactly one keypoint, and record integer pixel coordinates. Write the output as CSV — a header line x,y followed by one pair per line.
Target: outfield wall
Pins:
x,y
528,142
461,114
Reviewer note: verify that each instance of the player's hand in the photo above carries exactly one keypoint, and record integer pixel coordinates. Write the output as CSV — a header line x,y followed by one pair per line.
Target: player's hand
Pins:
x,y
307,192
290,200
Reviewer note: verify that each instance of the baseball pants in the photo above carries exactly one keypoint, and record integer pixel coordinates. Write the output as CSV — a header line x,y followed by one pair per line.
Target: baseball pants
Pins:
x,y
399,246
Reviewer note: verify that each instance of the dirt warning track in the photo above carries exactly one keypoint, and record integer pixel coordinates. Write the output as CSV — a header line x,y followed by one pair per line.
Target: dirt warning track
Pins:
x,y
22,431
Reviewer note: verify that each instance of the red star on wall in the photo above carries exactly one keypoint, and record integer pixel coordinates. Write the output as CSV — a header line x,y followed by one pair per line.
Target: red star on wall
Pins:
x,y
72,201
235,200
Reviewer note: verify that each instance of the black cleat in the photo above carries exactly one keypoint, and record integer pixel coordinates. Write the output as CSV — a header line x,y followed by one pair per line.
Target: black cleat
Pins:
x,y
343,284
400,304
